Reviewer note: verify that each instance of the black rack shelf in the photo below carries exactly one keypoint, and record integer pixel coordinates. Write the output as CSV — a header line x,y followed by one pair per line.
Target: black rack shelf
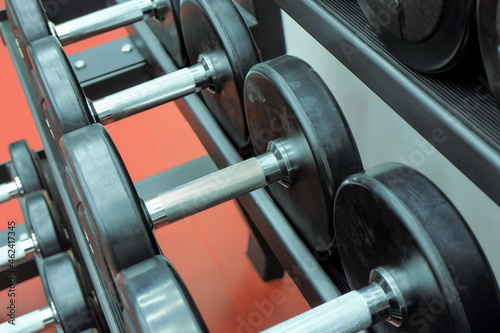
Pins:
x,y
456,115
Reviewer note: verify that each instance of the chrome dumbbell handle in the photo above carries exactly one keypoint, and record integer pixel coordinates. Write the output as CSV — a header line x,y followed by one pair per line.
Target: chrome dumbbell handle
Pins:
x,y
108,19
17,252
36,321
354,311
220,186
10,190
347,313
153,93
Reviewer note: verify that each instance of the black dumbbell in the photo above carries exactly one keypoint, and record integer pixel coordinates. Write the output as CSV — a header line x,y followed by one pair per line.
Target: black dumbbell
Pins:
x,y
45,235
155,299
69,306
425,270
30,22
430,36
27,173
291,115
221,46
488,19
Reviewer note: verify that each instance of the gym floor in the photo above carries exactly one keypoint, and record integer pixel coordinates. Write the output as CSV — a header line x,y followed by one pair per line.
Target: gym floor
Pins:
x,y
208,249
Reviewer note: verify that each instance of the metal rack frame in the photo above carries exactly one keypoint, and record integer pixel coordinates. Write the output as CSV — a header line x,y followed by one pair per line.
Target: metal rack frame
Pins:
x,y
462,109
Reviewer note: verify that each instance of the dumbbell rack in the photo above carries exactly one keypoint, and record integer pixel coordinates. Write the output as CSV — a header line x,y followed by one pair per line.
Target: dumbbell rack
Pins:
x,y
462,107
266,218
464,110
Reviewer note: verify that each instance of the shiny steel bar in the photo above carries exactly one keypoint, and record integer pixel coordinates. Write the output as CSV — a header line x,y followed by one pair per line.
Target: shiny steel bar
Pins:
x,y
17,252
153,93
108,19
10,190
355,311
33,322
218,187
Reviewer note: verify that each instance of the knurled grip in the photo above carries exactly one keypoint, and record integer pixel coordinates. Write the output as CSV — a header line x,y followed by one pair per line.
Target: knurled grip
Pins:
x,y
213,189
8,190
346,314
99,22
145,96
19,252
31,322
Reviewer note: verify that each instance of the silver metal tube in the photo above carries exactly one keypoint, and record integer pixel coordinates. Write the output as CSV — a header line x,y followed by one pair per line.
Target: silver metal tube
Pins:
x,y
23,250
349,313
104,20
10,190
150,94
213,189
36,321
358,310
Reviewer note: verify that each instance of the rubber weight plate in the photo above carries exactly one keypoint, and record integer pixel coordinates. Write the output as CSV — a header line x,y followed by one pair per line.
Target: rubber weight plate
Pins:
x,y
28,20
64,104
169,33
428,35
488,20
393,217
216,28
43,221
63,288
107,202
286,100
156,300
27,166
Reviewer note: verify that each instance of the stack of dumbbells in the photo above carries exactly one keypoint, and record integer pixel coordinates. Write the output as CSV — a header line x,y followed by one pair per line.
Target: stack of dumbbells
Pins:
x,y
387,237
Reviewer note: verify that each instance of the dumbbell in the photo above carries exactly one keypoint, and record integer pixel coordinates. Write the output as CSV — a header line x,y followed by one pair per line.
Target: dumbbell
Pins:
x,y
29,19
69,306
430,36
411,259
489,41
27,173
45,236
299,134
220,46
156,300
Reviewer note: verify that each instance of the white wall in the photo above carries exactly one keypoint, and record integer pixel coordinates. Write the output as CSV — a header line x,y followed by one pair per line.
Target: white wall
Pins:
x,y
383,136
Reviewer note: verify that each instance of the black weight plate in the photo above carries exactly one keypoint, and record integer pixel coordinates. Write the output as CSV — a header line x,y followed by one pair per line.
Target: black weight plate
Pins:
x,y
64,289
64,104
286,99
168,32
488,20
43,220
394,217
216,28
156,300
29,19
59,11
107,202
27,166
431,36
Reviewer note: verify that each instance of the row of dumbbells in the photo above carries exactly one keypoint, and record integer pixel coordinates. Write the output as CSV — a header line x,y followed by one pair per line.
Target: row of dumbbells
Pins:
x,y
304,152
436,36
396,181
158,269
